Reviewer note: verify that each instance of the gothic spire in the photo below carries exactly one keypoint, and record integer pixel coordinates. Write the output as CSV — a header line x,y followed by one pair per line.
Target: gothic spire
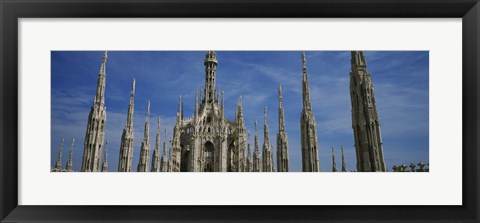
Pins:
x,y
180,112
165,142
100,95
210,73
265,126
256,137
175,150
267,153
257,163
223,104
105,159
249,155
145,147
365,121
195,109
146,133
334,164
95,133
164,161
126,143
239,110
358,60
344,166
281,116
305,85
58,164
308,126
129,123
69,166
282,139
156,152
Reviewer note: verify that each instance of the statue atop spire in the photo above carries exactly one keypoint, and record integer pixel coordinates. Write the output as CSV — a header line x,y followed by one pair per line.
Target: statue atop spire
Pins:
x,y
69,166
129,123
126,144
365,121
145,147
104,58
58,164
180,109
308,126
305,85
100,95
282,139
156,152
94,136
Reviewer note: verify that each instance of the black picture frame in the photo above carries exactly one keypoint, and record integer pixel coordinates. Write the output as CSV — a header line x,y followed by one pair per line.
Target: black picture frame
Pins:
x,y
11,11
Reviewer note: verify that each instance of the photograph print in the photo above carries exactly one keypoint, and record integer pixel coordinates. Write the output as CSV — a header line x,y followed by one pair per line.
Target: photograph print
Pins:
x,y
239,111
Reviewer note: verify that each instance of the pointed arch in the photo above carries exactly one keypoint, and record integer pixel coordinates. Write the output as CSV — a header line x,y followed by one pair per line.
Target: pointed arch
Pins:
x,y
208,156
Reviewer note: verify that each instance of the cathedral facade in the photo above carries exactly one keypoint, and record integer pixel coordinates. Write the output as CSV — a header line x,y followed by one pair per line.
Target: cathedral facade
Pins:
x,y
209,142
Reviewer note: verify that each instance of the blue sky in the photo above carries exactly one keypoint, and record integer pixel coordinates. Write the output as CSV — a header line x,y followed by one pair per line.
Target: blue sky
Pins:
x,y
400,79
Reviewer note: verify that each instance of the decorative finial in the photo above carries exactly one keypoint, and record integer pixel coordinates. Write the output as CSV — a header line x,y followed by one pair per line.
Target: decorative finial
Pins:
x,y
104,58
180,105
304,60
358,59
265,114
148,108
133,87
